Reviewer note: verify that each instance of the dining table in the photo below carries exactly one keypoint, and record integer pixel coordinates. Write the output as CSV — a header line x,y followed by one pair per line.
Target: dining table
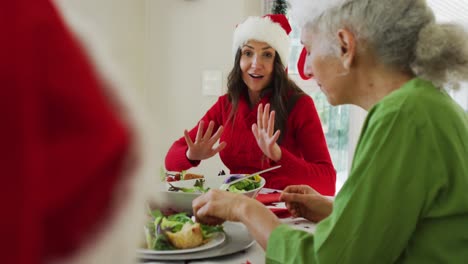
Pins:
x,y
253,253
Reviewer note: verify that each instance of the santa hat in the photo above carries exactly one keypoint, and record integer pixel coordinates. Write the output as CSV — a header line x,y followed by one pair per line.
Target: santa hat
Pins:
x,y
301,65
272,29
116,229
305,11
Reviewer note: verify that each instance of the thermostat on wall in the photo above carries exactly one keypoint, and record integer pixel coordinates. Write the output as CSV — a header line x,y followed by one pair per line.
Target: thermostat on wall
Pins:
x,y
212,82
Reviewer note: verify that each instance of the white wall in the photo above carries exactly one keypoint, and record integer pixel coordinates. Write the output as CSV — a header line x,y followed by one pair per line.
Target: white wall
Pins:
x,y
461,95
185,38
120,27
162,47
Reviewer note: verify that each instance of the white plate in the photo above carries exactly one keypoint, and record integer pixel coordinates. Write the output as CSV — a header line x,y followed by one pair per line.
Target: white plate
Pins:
x,y
218,239
237,239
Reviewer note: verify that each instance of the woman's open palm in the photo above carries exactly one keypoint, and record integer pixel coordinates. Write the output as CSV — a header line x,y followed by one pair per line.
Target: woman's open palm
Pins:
x,y
203,146
263,132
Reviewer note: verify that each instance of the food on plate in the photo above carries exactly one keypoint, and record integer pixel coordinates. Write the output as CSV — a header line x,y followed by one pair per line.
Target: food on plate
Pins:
x,y
170,176
189,236
197,187
243,186
190,176
176,231
246,185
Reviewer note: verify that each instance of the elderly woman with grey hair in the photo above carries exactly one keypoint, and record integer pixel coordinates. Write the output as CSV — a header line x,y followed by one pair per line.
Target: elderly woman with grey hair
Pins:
x,y
405,200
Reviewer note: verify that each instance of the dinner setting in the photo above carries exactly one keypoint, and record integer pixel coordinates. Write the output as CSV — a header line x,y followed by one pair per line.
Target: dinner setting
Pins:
x,y
235,132
173,234
201,241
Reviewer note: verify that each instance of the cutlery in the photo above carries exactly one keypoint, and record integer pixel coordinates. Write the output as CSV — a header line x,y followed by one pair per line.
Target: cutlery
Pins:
x,y
225,186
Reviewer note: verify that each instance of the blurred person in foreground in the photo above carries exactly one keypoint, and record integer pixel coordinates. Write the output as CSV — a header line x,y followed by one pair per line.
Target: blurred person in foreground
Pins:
x,y
73,189
405,200
264,119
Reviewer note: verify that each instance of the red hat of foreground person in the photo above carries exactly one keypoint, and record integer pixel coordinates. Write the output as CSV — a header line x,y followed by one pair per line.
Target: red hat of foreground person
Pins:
x,y
301,64
272,29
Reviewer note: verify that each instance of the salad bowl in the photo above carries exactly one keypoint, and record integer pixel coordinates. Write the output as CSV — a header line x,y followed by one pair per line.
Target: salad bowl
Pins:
x,y
178,195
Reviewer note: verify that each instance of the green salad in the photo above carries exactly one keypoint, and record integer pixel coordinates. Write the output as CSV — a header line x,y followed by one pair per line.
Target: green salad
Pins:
x,y
243,186
246,185
198,187
165,232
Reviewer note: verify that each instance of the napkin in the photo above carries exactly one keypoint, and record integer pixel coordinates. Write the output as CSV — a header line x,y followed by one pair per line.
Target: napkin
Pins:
x,y
269,199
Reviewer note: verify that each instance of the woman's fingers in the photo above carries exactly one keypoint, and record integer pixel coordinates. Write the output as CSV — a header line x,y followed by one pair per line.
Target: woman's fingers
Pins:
x,y
255,131
213,207
204,214
220,147
208,132
292,197
275,137
265,119
217,135
200,201
304,189
294,209
202,147
271,123
266,115
188,139
259,116
199,132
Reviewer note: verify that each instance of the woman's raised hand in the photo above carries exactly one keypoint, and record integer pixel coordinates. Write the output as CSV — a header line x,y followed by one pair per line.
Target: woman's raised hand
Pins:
x,y
303,201
263,132
203,147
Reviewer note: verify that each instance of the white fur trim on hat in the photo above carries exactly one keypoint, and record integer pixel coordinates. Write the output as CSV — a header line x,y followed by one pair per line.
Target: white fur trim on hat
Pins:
x,y
265,30
305,11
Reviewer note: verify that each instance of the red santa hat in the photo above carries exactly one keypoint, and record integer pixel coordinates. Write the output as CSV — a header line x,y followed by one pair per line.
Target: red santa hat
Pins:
x,y
301,64
272,29
91,214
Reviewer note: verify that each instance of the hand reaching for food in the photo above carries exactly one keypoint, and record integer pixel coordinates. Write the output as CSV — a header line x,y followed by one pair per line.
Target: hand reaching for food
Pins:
x,y
203,146
216,206
263,133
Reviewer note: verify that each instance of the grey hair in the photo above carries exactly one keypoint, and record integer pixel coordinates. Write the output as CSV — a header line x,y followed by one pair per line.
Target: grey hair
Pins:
x,y
402,33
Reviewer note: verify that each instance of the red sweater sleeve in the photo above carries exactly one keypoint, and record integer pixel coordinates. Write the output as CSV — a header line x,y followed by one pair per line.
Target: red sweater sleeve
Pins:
x,y
313,165
176,159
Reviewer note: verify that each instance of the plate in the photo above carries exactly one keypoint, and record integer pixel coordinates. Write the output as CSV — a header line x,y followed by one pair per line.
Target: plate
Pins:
x,y
237,239
215,241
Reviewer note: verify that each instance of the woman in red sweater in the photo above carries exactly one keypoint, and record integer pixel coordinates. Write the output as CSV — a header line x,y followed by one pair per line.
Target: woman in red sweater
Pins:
x,y
251,136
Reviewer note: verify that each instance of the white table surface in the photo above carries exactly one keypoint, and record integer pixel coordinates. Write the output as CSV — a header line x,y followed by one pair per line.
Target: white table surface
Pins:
x,y
255,254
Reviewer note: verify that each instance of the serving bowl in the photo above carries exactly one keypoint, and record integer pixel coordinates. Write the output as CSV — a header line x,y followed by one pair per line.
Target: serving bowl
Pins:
x,y
178,201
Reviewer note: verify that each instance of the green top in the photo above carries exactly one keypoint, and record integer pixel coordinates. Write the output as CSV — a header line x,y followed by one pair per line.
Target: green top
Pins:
x,y
406,199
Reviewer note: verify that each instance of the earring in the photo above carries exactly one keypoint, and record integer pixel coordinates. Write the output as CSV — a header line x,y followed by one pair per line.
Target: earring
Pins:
x,y
347,64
